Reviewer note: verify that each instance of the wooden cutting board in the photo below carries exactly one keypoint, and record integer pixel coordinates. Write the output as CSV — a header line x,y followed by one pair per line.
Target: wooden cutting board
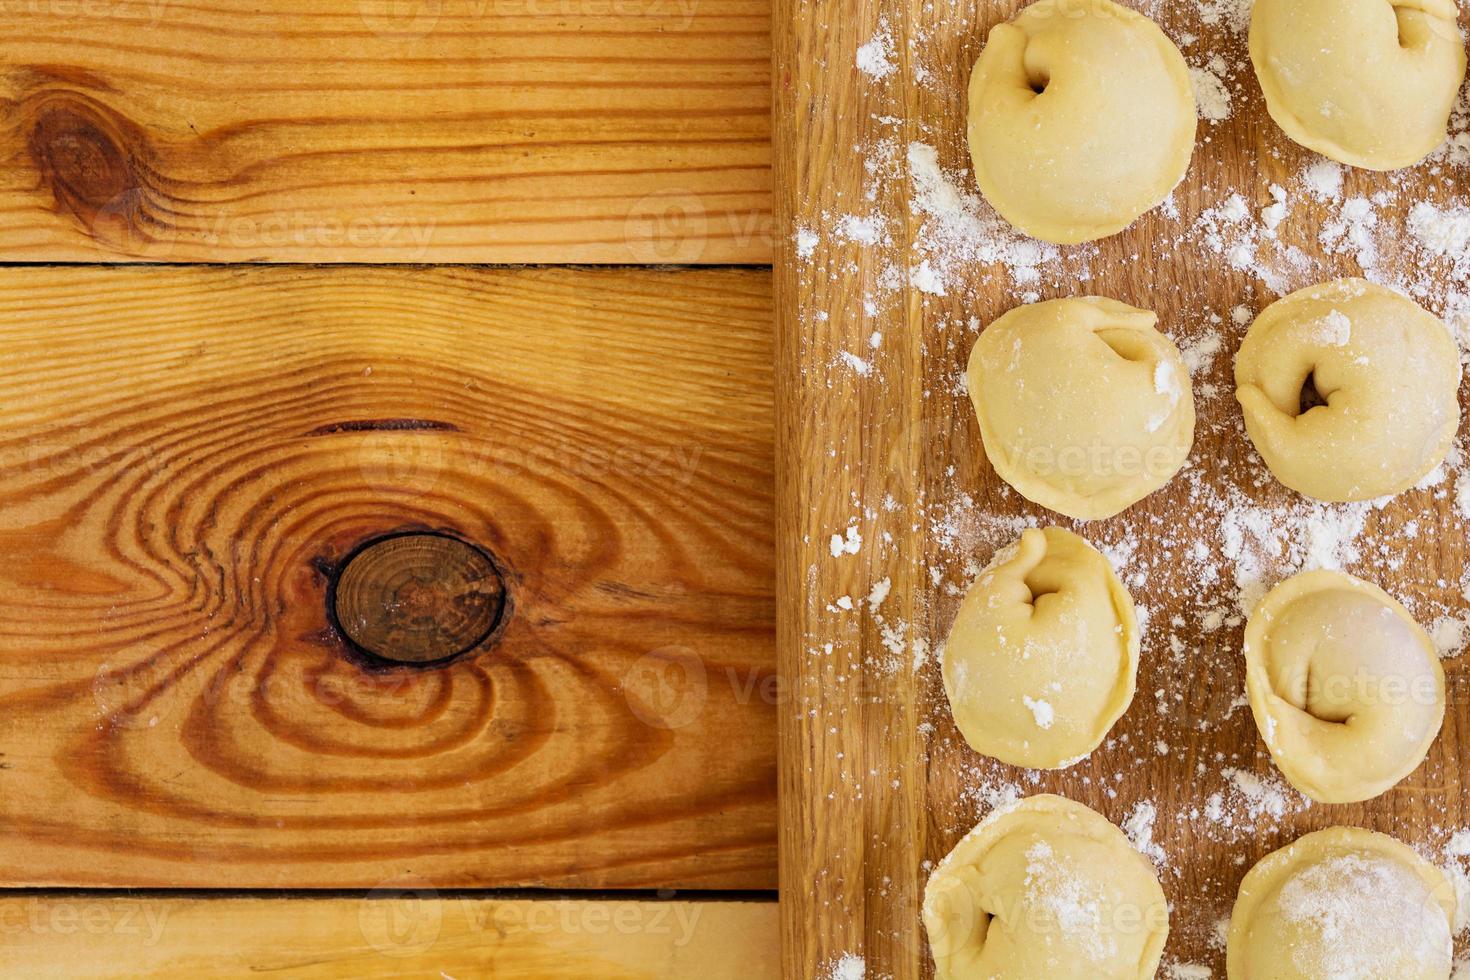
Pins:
x,y
887,507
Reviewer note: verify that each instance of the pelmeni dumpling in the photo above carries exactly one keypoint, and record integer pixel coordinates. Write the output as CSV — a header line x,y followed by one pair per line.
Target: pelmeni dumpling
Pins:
x,y
1043,655
1345,686
1340,904
1084,407
1366,82
1081,119
1349,390
1045,888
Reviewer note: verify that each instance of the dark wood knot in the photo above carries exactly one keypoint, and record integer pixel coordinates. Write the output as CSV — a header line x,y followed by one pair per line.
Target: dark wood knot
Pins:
x,y
418,599
87,158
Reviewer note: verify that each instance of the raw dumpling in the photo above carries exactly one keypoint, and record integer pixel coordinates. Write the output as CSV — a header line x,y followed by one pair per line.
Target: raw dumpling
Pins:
x,y
1342,904
1349,390
1365,82
1043,655
1081,119
1045,888
1084,407
1346,688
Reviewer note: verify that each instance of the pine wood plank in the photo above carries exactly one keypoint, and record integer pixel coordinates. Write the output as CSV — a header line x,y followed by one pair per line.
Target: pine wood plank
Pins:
x,y
876,783
386,131
187,455
399,932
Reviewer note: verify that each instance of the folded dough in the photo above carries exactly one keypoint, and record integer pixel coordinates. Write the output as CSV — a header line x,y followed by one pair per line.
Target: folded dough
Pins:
x,y
1084,407
1081,118
1366,82
1045,888
1043,655
1342,904
1350,390
1346,688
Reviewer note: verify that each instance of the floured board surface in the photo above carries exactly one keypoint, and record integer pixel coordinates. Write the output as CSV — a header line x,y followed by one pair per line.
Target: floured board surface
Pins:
x,y
401,930
890,267
189,458
386,131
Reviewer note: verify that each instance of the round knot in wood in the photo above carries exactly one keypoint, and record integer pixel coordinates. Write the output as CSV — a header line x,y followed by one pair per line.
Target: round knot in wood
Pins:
x,y
418,599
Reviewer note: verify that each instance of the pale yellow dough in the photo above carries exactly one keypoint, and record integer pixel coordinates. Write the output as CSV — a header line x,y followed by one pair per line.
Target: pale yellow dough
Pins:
x,y
1084,407
1389,373
1345,686
1107,138
1045,889
1043,655
1342,904
1369,83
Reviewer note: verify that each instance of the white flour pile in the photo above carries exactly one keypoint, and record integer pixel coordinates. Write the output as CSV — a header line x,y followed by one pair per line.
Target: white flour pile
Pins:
x,y
847,967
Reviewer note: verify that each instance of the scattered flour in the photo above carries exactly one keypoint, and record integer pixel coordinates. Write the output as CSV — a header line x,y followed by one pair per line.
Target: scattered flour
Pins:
x,y
1211,94
1234,14
1186,971
1139,826
1347,899
848,967
875,59
1042,711
1449,634
848,543
1324,180
806,242
960,230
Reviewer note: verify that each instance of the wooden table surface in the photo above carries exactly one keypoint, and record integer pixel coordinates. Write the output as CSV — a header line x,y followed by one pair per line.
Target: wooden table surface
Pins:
x,y
887,508
403,929
193,456
551,131
192,452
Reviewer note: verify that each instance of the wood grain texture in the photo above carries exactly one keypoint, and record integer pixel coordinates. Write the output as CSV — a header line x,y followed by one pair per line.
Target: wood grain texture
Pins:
x,y
187,455
880,437
395,932
549,131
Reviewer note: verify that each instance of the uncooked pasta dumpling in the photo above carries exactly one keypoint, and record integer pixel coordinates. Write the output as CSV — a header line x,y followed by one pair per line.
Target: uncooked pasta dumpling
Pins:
x,y
1342,904
1366,82
1081,119
1084,407
1045,889
1345,686
1043,655
1349,390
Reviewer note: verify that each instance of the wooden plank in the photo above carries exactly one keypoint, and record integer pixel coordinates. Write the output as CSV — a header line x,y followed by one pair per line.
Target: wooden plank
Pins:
x,y
879,436
386,131
191,454
399,932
